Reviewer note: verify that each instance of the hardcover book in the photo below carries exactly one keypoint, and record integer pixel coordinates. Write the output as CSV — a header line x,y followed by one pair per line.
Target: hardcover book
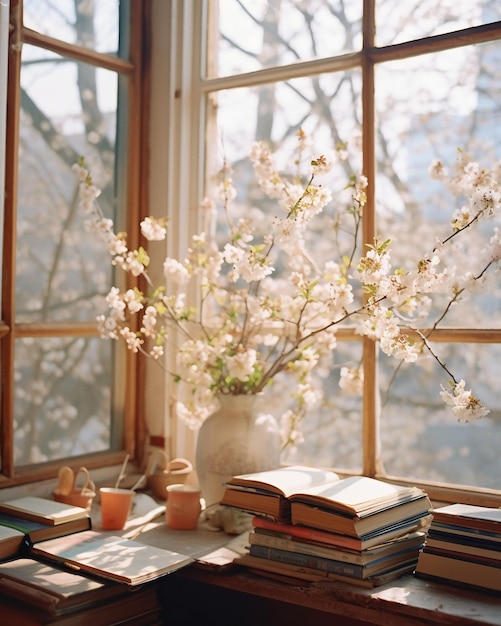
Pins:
x,y
451,569
42,510
299,572
383,535
350,570
412,541
469,516
35,531
112,557
284,493
11,542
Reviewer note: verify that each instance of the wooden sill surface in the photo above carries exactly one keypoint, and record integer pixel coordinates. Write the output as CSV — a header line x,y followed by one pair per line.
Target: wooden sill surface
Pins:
x,y
408,601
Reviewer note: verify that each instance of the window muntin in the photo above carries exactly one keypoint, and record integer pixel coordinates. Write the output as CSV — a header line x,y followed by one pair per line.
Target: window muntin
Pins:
x,y
403,102
93,25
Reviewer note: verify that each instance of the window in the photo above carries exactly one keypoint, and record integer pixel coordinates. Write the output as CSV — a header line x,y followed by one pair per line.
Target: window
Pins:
x,y
421,84
400,83
73,89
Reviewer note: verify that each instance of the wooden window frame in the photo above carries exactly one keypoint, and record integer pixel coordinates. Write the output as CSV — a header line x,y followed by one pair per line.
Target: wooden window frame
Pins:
x,y
136,68
366,60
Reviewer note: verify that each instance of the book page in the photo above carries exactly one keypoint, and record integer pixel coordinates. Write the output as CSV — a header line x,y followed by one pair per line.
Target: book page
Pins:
x,y
471,511
355,493
285,480
113,556
6,532
42,508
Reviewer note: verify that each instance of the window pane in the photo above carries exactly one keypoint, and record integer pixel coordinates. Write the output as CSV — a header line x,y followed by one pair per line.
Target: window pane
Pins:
x,y
430,17
420,436
327,108
61,270
257,34
428,107
90,24
332,431
62,398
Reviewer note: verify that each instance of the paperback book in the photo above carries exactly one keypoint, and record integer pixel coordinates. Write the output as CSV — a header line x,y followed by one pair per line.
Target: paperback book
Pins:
x,y
111,557
53,590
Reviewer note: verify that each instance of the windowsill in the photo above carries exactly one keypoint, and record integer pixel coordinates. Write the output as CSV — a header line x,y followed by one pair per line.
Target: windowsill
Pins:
x,y
223,590
406,601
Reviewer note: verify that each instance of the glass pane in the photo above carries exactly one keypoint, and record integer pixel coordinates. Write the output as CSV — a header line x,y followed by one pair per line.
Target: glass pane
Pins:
x,y
327,108
332,431
62,398
428,108
257,34
90,24
398,21
62,271
421,438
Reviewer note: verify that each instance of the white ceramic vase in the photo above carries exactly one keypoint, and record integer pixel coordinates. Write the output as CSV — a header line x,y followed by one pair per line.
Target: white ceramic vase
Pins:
x,y
235,439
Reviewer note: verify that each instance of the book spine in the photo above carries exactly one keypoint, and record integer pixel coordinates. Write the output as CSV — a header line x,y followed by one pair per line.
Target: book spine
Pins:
x,y
305,532
307,560
283,543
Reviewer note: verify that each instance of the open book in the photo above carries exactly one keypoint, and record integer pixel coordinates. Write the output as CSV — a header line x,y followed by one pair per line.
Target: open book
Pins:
x,y
54,590
112,557
321,499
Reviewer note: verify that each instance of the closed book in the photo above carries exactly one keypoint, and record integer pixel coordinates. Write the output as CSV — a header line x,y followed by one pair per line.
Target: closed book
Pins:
x,y
470,516
350,570
299,572
450,569
464,550
273,493
11,542
353,543
52,589
35,531
358,557
111,557
42,510
138,608
463,538
305,514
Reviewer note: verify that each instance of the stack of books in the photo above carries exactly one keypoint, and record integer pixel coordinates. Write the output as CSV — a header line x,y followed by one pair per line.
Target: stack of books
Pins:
x,y
27,520
310,524
463,547
56,570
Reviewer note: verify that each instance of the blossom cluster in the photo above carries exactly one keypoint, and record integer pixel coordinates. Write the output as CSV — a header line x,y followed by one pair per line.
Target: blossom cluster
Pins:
x,y
254,319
